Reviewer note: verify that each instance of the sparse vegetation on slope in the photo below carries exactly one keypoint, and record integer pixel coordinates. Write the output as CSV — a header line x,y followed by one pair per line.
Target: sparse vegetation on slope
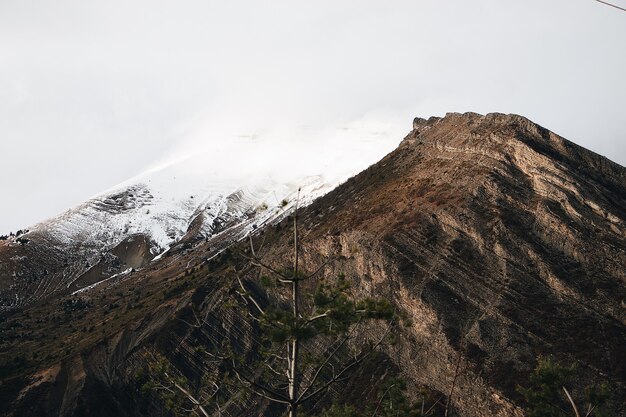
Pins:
x,y
501,242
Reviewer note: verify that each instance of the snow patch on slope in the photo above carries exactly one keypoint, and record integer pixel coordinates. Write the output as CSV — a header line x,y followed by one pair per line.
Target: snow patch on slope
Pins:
x,y
241,178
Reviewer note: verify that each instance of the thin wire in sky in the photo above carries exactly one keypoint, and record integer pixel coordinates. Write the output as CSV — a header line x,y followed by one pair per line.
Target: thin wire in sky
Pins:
x,y
612,5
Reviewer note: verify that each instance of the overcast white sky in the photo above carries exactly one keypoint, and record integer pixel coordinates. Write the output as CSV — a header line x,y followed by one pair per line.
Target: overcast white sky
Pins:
x,y
94,92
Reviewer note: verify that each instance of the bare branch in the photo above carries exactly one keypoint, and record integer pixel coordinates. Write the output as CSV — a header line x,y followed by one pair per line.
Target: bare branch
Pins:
x,y
246,293
261,394
199,323
456,375
590,410
252,246
213,355
320,268
189,396
380,401
271,394
295,238
273,370
431,408
262,242
279,357
357,361
160,386
571,401
317,317
283,277
324,363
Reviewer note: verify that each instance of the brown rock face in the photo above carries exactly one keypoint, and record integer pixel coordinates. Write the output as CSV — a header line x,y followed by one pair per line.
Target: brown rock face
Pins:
x,y
501,241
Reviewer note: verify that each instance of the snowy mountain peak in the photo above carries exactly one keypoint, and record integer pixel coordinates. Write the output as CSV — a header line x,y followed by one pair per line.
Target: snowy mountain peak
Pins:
x,y
253,177
215,194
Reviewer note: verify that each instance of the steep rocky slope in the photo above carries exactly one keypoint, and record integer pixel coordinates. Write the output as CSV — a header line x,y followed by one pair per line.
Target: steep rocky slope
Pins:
x,y
501,241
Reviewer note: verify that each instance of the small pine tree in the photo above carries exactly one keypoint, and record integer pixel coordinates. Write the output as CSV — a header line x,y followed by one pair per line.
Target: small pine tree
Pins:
x,y
548,396
322,320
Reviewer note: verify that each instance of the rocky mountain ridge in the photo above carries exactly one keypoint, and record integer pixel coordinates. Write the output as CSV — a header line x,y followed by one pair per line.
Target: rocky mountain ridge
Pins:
x,y
500,240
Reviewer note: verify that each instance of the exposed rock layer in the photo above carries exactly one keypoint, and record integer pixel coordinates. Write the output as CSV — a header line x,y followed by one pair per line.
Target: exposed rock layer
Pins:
x,y
501,240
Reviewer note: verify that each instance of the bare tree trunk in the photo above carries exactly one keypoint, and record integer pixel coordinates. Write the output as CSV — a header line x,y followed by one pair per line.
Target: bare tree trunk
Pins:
x,y
294,374
191,398
293,410
456,375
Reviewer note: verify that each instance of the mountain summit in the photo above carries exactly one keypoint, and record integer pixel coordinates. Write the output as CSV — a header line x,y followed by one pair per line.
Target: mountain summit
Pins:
x,y
501,242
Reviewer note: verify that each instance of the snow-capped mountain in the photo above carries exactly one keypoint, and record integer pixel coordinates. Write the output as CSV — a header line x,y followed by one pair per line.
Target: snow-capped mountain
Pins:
x,y
212,194
152,211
